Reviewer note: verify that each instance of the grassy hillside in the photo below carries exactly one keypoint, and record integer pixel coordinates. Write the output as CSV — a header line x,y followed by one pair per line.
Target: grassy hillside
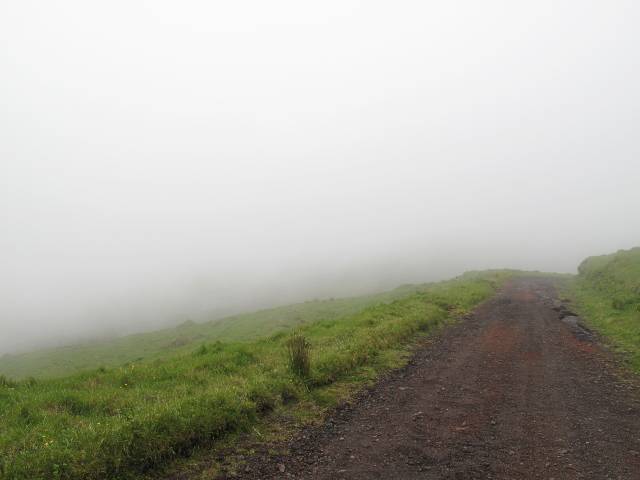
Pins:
x,y
114,423
56,362
607,292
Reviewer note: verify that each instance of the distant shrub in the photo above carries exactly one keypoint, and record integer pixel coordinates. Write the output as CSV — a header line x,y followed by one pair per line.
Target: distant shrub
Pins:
x,y
7,382
298,349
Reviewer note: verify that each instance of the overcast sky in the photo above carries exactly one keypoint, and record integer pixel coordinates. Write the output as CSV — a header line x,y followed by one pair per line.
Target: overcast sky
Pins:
x,y
164,159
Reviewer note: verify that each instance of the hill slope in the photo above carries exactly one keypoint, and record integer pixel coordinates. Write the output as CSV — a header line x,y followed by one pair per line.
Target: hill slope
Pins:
x,y
117,423
56,362
607,292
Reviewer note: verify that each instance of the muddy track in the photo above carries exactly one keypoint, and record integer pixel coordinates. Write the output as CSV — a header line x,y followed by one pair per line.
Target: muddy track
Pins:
x,y
517,390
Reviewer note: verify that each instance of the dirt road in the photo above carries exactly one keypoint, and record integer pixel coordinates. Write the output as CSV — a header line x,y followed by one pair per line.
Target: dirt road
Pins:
x,y
511,392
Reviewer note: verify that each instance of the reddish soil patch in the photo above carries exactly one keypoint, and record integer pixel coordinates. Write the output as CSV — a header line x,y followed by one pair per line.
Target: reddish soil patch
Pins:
x,y
511,392
499,338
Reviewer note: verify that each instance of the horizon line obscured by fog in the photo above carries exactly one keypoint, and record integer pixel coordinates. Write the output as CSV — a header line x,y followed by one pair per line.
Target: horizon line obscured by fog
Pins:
x,y
162,161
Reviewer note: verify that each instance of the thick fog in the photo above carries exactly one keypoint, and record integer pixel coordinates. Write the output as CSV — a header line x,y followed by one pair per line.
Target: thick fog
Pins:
x,y
165,160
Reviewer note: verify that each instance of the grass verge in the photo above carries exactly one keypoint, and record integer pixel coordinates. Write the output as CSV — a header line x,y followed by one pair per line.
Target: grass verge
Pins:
x,y
606,293
117,423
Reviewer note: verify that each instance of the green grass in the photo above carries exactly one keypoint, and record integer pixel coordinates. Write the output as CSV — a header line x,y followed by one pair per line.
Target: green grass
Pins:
x,y
607,295
57,362
116,423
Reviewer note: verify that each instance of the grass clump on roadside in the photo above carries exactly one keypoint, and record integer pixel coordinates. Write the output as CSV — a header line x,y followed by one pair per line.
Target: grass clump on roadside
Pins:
x,y
607,295
118,422
298,349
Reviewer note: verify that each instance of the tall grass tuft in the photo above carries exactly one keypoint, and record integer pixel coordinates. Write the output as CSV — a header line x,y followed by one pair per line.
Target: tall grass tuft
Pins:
x,y
299,355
